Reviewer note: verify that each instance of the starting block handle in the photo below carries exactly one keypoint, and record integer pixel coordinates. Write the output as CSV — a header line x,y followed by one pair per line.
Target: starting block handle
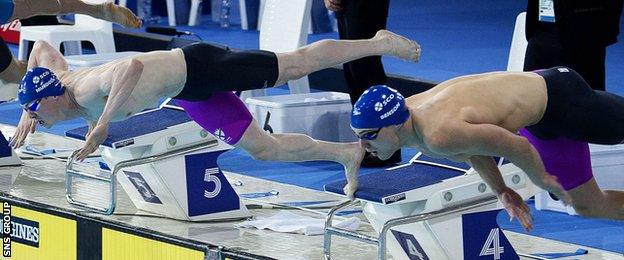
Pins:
x,y
381,240
71,173
381,253
330,230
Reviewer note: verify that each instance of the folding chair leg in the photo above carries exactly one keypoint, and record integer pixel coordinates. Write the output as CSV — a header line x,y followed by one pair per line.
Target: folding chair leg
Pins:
x,y
194,12
171,12
23,50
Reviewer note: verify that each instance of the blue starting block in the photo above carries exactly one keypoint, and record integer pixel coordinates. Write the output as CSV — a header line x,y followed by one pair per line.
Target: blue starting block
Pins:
x,y
431,209
391,186
166,163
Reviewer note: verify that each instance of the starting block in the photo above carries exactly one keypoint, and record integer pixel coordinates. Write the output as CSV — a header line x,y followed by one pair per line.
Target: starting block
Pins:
x,y
168,166
166,163
8,157
431,209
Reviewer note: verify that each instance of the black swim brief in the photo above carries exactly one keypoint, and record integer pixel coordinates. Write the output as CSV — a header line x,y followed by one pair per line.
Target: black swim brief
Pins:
x,y
213,68
576,111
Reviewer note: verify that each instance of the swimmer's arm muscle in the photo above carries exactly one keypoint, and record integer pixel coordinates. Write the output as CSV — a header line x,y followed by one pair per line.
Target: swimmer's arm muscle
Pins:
x,y
489,172
492,140
512,201
124,81
125,78
44,55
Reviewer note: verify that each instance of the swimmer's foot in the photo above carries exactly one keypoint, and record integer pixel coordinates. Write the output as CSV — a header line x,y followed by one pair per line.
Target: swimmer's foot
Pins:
x,y
400,46
118,14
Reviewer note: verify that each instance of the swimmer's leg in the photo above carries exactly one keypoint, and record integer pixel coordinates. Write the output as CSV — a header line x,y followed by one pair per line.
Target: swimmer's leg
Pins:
x,y
569,160
299,148
589,201
328,53
105,11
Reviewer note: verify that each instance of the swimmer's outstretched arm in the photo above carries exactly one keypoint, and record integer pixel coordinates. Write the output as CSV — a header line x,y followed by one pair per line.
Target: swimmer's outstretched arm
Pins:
x,y
44,55
492,140
513,202
125,79
488,170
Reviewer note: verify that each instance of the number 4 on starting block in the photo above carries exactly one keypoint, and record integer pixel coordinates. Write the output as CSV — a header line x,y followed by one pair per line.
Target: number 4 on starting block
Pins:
x,y
483,238
410,245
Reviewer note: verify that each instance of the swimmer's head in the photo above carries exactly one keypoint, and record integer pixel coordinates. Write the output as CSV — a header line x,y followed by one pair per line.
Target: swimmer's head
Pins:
x,y
37,86
38,83
379,108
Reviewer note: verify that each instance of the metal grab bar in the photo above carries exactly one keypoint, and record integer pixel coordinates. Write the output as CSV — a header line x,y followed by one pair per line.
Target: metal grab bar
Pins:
x,y
380,241
72,173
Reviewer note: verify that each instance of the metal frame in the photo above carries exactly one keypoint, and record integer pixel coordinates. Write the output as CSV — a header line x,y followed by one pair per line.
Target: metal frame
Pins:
x,y
380,241
71,174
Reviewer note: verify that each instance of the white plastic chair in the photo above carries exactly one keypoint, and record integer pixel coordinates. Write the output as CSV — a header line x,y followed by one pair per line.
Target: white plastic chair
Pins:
x,y
122,3
86,28
518,45
193,13
284,28
170,9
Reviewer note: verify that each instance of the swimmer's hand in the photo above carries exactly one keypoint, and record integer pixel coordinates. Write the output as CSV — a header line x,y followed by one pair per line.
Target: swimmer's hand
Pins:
x,y
350,189
516,208
352,158
94,139
26,126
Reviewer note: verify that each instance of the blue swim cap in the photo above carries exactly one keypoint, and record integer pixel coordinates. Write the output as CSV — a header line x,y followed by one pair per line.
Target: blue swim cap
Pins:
x,y
37,84
379,106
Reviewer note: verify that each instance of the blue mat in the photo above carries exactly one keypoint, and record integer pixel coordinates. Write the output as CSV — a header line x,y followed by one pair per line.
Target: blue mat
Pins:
x,y
426,159
384,183
597,233
151,122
